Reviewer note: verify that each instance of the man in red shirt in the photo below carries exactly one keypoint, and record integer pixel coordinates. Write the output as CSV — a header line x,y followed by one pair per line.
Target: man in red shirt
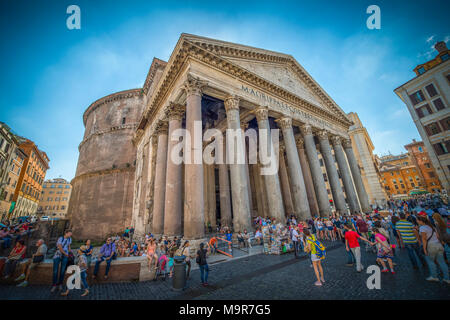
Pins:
x,y
351,243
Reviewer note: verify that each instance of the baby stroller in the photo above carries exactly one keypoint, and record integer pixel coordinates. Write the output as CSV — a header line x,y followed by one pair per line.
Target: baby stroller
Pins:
x,y
162,268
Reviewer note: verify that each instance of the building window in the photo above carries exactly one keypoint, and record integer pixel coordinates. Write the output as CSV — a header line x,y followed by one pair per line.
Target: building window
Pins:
x,y
417,97
124,120
427,165
445,123
431,174
420,149
438,104
442,147
403,186
445,57
432,129
421,70
413,185
396,187
431,90
394,181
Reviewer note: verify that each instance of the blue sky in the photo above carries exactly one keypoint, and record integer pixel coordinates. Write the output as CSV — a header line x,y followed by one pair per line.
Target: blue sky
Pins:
x,y
50,75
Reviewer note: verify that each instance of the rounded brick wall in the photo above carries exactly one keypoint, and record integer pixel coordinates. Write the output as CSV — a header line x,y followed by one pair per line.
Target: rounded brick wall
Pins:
x,y
102,194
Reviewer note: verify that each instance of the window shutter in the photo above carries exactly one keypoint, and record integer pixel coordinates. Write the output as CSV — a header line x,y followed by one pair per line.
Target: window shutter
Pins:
x,y
419,112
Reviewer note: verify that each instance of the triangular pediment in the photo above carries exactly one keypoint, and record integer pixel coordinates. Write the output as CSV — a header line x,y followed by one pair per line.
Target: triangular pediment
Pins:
x,y
282,76
278,68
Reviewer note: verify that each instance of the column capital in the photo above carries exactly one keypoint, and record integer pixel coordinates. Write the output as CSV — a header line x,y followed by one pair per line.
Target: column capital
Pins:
x,y
161,127
347,143
323,135
299,142
284,123
336,140
261,113
175,111
306,129
231,103
193,86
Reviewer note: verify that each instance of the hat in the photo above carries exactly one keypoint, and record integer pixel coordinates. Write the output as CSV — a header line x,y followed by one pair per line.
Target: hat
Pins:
x,y
422,213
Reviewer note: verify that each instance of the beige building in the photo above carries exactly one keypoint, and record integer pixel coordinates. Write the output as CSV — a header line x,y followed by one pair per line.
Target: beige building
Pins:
x,y
55,196
8,146
212,88
363,149
427,97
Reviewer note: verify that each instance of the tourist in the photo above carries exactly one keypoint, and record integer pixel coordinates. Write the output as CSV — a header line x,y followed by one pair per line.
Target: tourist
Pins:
x,y
88,253
394,220
384,250
229,237
258,236
433,250
60,260
350,257
107,252
151,254
247,238
35,259
126,234
363,228
185,252
240,238
131,233
317,256
202,264
409,236
4,235
212,244
351,243
330,230
16,255
82,264
171,262
294,237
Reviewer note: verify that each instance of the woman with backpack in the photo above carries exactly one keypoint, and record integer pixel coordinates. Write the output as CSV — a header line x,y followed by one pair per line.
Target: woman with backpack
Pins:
x,y
317,251
433,250
202,264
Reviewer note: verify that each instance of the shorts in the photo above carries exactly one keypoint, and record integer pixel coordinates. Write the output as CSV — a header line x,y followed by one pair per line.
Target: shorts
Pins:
x,y
383,254
314,257
330,228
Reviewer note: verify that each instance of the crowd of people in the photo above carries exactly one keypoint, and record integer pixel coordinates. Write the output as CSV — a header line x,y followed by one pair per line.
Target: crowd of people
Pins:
x,y
419,225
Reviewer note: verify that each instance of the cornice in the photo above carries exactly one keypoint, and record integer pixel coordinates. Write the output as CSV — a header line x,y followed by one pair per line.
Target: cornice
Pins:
x,y
112,97
156,65
102,172
112,129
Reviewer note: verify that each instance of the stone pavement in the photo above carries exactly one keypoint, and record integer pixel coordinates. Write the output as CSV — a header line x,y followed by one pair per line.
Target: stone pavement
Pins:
x,y
267,277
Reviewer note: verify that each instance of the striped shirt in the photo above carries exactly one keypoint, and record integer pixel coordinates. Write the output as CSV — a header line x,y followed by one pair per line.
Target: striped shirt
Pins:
x,y
406,230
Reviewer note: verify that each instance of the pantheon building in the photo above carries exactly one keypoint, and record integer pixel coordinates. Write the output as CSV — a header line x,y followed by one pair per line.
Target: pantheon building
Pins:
x,y
126,176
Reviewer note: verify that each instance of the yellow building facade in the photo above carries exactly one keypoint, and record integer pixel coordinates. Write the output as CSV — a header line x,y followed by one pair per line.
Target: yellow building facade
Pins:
x,y
55,198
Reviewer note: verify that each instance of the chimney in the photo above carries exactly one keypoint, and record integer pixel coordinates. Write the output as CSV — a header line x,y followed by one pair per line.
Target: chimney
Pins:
x,y
440,46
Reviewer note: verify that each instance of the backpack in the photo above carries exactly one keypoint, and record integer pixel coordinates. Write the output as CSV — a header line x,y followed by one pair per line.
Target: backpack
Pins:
x,y
320,249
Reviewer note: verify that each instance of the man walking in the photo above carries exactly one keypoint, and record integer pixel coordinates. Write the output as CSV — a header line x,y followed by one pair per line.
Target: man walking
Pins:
x,y
351,243
202,264
107,252
409,236
294,238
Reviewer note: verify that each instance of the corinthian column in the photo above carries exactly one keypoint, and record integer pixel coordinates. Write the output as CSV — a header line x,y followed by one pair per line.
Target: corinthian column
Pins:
x,y
356,173
173,205
346,175
160,179
285,188
274,197
335,184
313,206
239,187
295,171
194,213
316,171
224,185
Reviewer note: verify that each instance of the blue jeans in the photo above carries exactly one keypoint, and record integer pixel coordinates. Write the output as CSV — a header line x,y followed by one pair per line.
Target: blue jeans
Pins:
x,y
6,242
204,272
56,268
436,252
295,243
83,280
413,253
97,265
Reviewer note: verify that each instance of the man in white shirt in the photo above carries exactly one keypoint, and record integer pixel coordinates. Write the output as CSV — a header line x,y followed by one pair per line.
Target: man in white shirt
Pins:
x,y
294,238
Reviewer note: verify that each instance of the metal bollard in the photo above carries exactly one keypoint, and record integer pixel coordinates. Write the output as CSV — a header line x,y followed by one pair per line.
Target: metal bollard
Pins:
x,y
179,273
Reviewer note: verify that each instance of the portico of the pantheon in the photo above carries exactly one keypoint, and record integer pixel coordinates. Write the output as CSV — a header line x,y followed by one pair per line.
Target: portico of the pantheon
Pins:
x,y
231,86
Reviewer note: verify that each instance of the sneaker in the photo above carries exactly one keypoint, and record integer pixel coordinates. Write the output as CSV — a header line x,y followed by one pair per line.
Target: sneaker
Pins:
x,y
432,279
385,270
53,289
86,292
21,277
393,272
317,283
23,284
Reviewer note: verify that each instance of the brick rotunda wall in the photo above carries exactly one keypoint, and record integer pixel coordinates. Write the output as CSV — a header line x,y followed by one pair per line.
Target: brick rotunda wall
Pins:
x,y
102,195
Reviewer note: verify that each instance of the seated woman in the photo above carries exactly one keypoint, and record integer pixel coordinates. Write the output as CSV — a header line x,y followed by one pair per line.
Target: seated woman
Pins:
x,y
16,255
151,254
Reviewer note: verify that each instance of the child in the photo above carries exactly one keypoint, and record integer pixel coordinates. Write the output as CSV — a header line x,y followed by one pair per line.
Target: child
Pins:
x,y
384,251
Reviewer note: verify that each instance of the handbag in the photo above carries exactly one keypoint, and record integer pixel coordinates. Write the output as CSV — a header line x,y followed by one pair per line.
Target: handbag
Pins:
x,y
38,259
